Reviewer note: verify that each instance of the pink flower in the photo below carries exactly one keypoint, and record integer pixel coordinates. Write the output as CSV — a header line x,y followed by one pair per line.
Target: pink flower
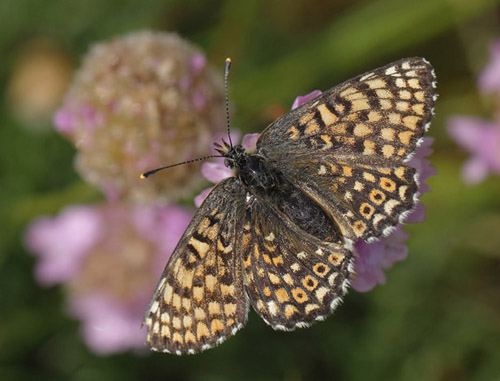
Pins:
x,y
110,258
489,78
374,257
481,138
140,101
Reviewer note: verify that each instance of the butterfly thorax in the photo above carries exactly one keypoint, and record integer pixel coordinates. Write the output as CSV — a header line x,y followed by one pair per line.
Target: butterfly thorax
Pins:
x,y
266,183
252,169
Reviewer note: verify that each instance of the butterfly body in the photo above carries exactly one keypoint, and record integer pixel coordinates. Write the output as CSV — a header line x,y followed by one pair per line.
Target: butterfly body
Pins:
x,y
279,235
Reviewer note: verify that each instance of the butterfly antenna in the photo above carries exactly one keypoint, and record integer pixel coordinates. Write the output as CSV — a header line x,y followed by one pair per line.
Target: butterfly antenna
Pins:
x,y
153,171
226,73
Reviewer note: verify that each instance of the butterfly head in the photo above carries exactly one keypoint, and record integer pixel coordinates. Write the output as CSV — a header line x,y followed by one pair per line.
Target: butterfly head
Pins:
x,y
235,156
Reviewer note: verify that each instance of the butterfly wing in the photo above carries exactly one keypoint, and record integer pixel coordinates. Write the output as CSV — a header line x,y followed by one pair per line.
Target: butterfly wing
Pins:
x,y
350,144
292,277
200,298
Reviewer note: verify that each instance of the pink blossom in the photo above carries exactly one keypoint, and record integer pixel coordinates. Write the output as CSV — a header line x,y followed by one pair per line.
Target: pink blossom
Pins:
x,y
109,257
489,78
481,138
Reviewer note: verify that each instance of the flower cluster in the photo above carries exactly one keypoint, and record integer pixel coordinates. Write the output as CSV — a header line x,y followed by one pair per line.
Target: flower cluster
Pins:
x,y
481,138
138,102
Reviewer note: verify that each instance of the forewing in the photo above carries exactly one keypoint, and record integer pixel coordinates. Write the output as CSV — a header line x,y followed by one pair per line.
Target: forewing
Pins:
x,y
199,300
291,277
350,144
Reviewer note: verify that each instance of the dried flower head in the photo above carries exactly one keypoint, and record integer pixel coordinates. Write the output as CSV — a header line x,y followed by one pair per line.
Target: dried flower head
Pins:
x,y
140,101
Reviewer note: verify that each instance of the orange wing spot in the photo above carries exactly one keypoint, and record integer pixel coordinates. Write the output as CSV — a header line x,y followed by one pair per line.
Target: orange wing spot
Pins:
x,y
198,293
326,115
186,304
411,121
230,309
187,321
400,82
294,133
374,116
359,228
176,302
274,279
387,184
359,104
214,308
267,291
338,129
347,171
419,96
405,137
388,150
384,94
282,295
387,134
288,279
418,108
306,118
227,290
376,83
400,172
414,83
402,106
165,331
312,127
366,210
368,176
216,325
199,313
405,94
299,295
202,331
290,310
339,108
320,269
385,104
266,258
362,130
369,147
189,337
394,118
402,192
200,247
328,141
335,259
177,338
210,282
278,260
358,186
377,197
309,283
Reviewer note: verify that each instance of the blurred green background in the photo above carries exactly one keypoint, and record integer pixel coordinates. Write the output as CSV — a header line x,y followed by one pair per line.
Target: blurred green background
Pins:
x,y
438,316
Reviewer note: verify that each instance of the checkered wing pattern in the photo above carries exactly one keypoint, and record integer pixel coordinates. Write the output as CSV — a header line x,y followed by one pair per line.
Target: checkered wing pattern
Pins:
x,y
351,143
291,277
200,298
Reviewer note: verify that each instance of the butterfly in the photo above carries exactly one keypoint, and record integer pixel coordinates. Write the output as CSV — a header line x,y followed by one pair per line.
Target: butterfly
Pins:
x,y
279,235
